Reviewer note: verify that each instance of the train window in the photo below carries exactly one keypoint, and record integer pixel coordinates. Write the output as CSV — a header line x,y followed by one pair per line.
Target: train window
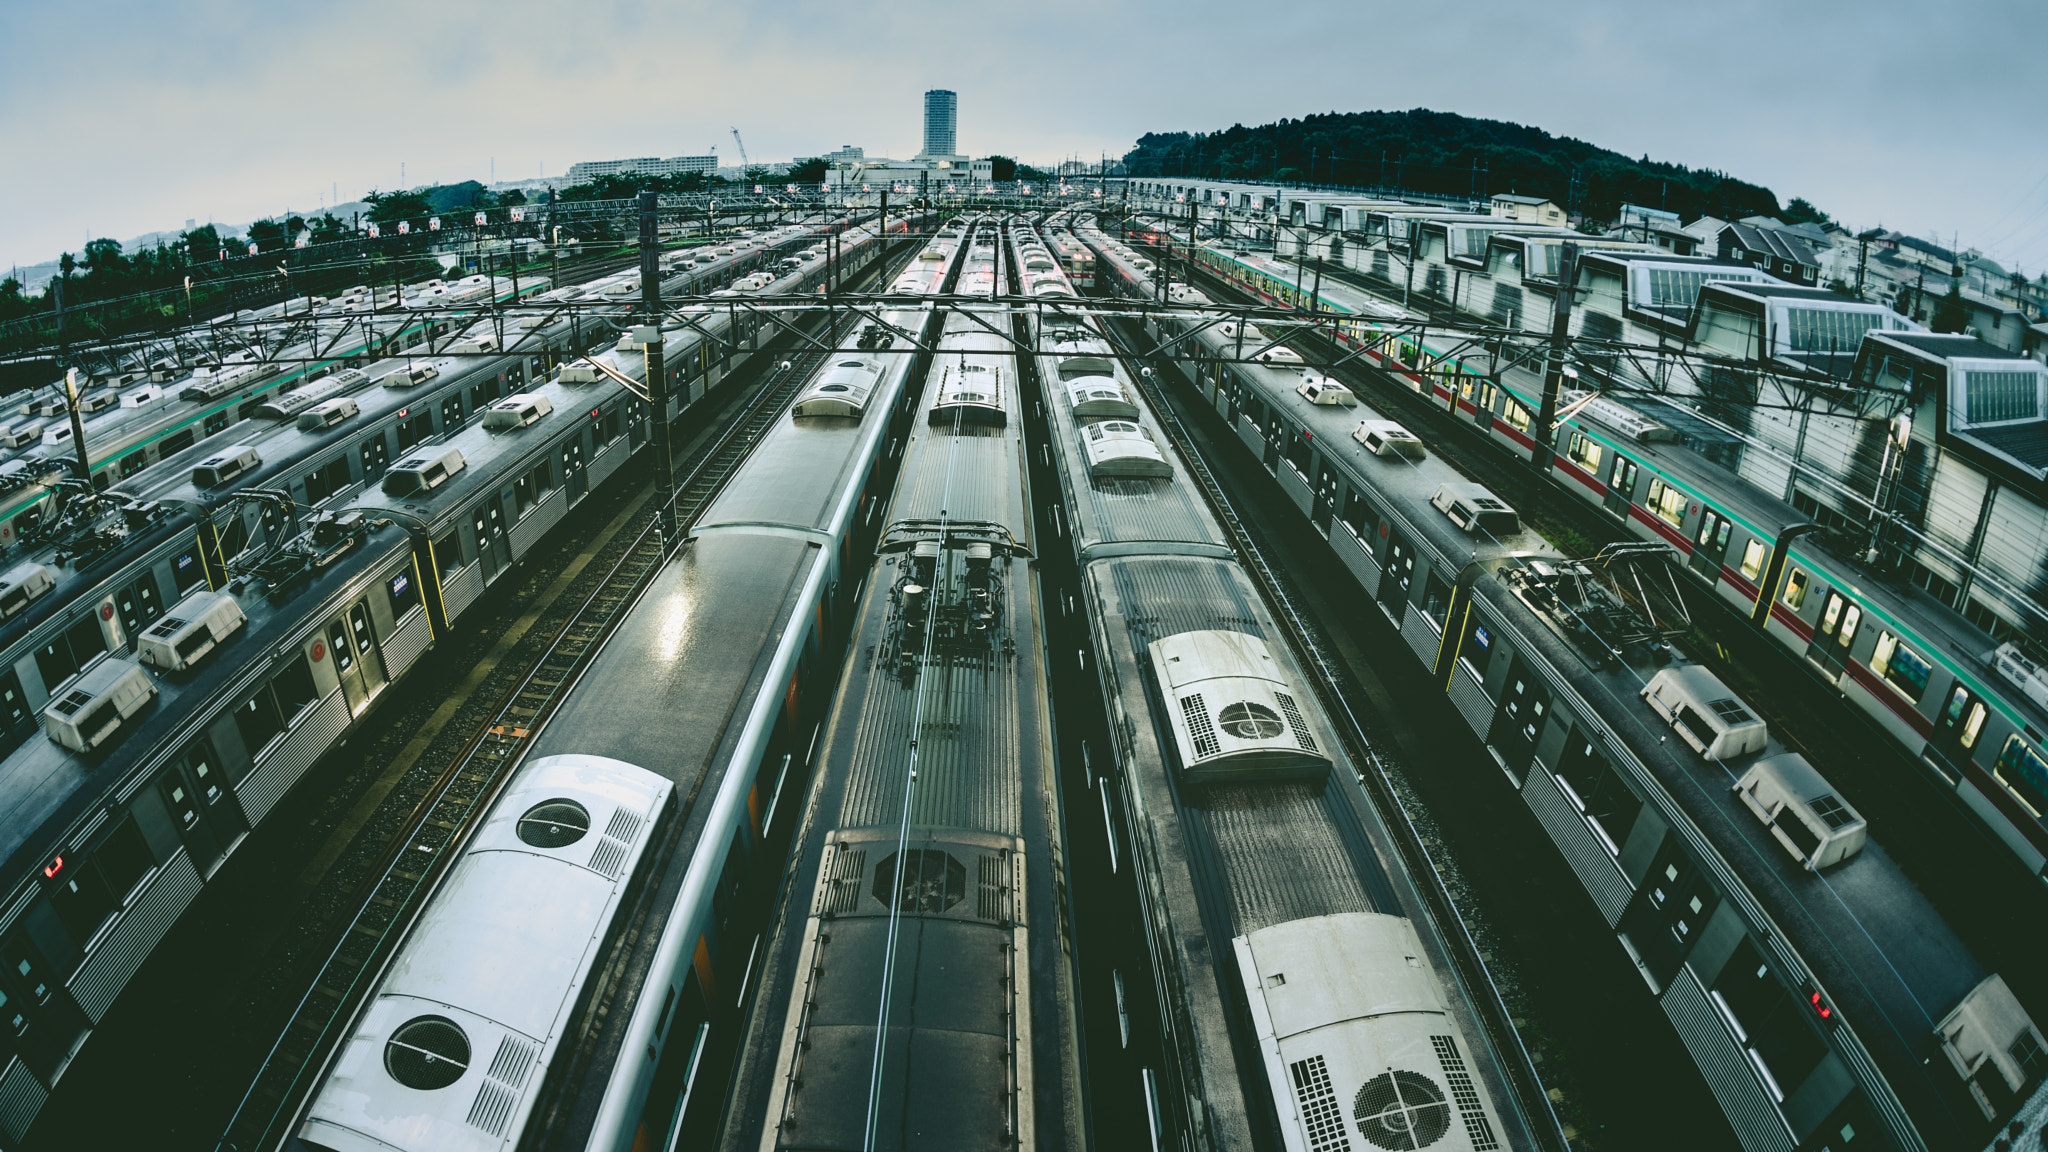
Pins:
x,y
1772,1022
216,422
1624,479
1436,599
102,881
1517,415
1298,453
1753,554
276,704
2024,774
324,482
1974,726
67,652
1796,582
1595,788
1713,534
1900,666
415,430
1360,518
1666,502
17,720
448,554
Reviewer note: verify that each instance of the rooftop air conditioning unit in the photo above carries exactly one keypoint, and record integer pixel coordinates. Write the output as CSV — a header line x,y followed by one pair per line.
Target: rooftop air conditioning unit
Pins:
x,y
1802,812
1386,438
2024,673
225,465
517,411
1233,718
1323,390
1475,509
1991,1043
416,474
328,413
408,377
194,627
1704,713
1121,449
1098,397
89,712
579,374
23,584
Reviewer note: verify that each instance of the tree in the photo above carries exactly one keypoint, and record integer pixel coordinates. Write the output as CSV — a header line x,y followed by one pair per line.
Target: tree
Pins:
x,y
391,207
512,198
268,235
1801,212
1002,169
1951,315
811,171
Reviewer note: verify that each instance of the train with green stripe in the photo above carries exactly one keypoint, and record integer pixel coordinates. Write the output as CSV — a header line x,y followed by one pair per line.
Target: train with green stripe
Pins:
x,y
1825,999
164,690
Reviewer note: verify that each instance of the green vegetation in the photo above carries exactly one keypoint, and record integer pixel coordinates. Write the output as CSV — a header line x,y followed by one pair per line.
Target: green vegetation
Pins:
x,y
1444,153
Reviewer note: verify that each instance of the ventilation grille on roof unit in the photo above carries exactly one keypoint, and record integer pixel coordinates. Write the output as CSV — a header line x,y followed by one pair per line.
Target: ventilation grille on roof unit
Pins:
x,y
616,843
1200,730
1322,1118
1466,1094
1402,1111
500,1089
1295,722
993,897
841,892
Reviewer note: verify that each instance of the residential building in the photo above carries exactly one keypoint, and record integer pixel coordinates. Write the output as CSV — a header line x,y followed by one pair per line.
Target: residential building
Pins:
x,y
1527,209
643,166
1790,258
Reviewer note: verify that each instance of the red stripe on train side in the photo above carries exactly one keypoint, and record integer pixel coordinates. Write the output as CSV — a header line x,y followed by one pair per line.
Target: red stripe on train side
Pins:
x,y
1565,465
1875,685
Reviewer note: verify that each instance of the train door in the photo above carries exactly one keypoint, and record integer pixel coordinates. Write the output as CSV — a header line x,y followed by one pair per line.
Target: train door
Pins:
x,y
39,1024
1483,404
1673,904
573,476
1518,722
1834,633
1710,544
1326,495
1957,728
356,659
194,787
139,604
488,518
1398,576
1621,487
1274,435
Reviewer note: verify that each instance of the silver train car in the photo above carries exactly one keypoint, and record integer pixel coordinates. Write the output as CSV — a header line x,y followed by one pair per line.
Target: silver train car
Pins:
x,y
1713,884
916,990
1246,823
127,783
443,1054
754,602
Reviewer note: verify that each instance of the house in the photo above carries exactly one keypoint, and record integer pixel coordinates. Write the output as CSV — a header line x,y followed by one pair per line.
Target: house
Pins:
x,y
1527,209
1771,250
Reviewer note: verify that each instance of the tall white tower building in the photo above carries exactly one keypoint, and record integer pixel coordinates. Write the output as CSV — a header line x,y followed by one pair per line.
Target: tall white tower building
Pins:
x,y
941,118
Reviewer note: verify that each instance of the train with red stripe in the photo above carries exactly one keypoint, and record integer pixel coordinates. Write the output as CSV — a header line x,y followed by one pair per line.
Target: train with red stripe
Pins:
x,y
1824,997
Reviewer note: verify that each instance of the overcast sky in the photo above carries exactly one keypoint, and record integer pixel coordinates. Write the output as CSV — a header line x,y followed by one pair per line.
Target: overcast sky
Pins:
x,y
127,116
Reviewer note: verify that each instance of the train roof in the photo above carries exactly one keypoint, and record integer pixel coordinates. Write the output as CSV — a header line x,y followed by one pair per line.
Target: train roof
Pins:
x,y
46,788
444,1056
977,472
1882,950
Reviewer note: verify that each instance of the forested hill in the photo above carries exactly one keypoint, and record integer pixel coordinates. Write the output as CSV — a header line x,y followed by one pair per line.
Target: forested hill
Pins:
x,y
1424,151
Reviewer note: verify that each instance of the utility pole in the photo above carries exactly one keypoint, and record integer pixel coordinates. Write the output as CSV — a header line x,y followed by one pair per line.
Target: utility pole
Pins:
x,y
657,376
77,427
1560,338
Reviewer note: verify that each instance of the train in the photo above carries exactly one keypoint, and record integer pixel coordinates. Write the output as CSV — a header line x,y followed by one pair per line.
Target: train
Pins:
x,y
918,988
1262,860
1961,691
754,600
1823,997
164,693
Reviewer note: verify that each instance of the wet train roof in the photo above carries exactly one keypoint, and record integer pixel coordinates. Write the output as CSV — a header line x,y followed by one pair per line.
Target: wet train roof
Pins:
x,y
44,787
976,473
1886,956
1124,513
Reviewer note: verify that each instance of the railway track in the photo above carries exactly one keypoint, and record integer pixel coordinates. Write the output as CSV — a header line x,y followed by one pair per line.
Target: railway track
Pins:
x,y
441,823
1328,682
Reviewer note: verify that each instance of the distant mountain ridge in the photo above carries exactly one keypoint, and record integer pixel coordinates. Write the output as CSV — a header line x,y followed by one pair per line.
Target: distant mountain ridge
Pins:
x,y
1442,152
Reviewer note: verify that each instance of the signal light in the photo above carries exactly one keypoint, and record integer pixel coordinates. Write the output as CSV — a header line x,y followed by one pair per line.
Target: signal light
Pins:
x,y
1819,1008
51,869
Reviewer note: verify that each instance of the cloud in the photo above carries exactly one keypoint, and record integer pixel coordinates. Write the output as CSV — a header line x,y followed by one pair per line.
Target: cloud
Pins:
x,y
124,116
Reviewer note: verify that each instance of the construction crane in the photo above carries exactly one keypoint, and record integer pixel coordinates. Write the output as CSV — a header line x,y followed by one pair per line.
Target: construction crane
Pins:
x,y
744,162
